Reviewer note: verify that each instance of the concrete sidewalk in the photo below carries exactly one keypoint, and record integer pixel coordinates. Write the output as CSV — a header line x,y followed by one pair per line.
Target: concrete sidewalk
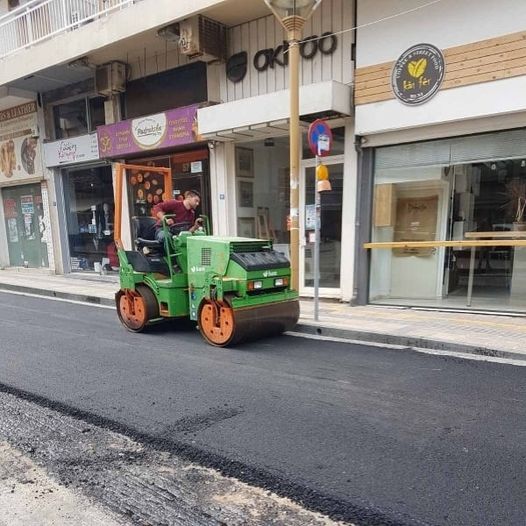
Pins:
x,y
461,332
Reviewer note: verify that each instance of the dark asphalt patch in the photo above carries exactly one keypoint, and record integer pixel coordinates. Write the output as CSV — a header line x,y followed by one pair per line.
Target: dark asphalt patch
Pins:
x,y
360,514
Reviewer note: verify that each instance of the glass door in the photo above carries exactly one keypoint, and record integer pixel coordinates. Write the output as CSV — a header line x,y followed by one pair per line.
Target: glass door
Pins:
x,y
330,232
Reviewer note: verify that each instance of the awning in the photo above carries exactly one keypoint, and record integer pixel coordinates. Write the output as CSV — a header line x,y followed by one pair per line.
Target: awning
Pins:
x,y
268,115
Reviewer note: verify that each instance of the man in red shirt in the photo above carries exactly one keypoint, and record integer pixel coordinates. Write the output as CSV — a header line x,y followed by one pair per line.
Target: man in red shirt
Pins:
x,y
184,212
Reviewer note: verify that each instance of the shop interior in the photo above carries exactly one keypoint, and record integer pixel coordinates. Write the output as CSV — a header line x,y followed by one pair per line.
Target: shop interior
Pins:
x,y
89,215
263,195
190,171
475,201
263,202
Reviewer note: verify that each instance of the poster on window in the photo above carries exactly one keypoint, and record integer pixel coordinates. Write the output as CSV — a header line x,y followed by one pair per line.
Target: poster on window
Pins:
x,y
12,228
147,189
19,144
416,220
26,203
10,208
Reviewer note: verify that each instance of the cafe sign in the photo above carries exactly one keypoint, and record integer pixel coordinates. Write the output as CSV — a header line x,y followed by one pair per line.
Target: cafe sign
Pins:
x,y
74,150
171,128
271,58
418,74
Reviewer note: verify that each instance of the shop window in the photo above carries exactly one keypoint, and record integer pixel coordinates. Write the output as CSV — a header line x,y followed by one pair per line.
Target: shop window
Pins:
x,y
156,93
439,200
97,116
145,188
89,212
190,171
78,117
263,190
331,228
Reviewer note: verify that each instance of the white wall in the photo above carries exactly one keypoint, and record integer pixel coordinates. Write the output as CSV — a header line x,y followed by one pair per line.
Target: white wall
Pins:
x,y
444,24
267,32
349,202
141,17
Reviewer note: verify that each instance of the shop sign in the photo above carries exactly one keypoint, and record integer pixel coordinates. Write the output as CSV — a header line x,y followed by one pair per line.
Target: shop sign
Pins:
x,y
236,67
164,130
18,111
19,146
418,74
70,151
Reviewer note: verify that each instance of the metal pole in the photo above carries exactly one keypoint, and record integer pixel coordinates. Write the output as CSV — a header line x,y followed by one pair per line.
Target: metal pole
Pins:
x,y
470,279
317,229
294,36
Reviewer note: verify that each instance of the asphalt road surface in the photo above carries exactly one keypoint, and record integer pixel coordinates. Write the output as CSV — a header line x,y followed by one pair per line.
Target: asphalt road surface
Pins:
x,y
369,435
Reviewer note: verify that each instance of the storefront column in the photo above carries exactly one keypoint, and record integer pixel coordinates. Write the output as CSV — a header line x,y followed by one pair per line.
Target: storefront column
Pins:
x,y
47,235
4,251
58,222
222,185
126,233
349,203
364,197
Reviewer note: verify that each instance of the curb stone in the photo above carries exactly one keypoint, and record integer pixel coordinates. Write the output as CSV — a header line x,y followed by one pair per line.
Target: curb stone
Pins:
x,y
313,329
95,300
402,341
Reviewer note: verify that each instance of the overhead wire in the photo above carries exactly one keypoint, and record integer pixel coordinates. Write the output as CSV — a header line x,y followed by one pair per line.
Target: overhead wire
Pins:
x,y
373,22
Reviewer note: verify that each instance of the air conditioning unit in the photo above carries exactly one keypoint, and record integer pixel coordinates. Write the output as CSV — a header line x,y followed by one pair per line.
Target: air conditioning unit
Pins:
x,y
110,78
202,38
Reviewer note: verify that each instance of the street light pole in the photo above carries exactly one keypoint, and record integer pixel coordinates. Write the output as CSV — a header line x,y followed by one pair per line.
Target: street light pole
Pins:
x,y
294,37
293,14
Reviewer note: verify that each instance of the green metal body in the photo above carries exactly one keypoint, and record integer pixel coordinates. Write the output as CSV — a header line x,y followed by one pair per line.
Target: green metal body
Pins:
x,y
201,268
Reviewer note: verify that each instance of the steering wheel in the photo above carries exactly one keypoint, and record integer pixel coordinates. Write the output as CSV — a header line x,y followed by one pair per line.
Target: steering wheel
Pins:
x,y
177,228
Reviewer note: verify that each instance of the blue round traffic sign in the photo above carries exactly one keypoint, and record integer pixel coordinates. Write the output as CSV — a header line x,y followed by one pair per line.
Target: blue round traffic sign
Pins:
x,y
320,138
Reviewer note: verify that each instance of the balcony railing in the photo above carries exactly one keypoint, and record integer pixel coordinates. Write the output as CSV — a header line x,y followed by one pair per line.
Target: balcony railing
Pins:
x,y
40,20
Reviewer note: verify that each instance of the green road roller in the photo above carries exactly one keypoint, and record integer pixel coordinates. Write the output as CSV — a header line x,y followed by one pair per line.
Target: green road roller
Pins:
x,y
235,288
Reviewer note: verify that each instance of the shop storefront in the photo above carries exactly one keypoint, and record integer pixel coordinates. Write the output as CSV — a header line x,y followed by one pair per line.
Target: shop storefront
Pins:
x,y
263,202
86,197
27,239
442,143
249,131
169,139
460,189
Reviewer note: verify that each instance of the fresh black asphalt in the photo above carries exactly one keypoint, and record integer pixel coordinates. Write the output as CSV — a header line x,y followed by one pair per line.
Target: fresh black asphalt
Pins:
x,y
365,434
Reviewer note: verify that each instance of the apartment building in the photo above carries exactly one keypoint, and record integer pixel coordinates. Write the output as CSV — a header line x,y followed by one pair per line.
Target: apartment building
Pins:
x,y
428,136
84,82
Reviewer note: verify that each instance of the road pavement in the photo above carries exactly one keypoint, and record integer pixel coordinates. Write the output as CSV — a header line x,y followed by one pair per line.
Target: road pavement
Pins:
x,y
370,435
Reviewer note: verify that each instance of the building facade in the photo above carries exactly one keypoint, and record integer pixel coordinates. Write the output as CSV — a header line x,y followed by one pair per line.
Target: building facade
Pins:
x,y
225,109
249,133
441,125
424,101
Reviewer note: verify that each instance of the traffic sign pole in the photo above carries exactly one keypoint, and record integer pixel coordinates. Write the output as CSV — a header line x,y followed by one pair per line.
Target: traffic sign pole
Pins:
x,y
317,229
320,142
